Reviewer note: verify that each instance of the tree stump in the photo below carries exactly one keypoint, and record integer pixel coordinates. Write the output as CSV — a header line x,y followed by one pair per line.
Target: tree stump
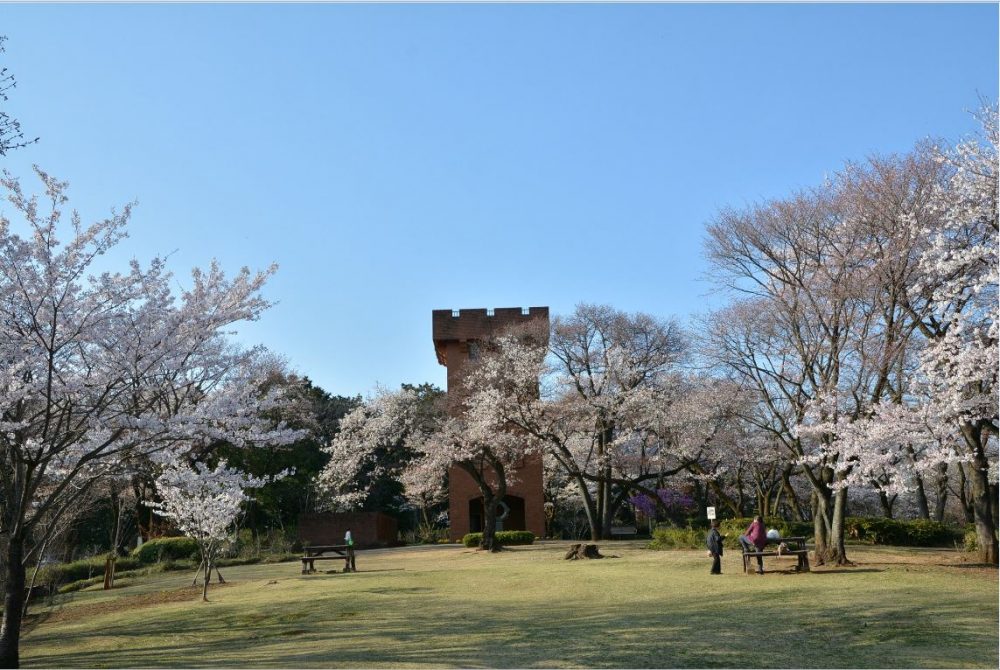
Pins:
x,y
577,551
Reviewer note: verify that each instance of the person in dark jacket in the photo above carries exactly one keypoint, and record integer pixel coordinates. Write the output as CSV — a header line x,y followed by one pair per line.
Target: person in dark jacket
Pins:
x,y
714,542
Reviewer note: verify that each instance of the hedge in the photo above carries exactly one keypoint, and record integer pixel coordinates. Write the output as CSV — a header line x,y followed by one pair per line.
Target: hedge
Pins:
x,y
678,538
87,568
914,533
166,548
870,530
502,537
731,529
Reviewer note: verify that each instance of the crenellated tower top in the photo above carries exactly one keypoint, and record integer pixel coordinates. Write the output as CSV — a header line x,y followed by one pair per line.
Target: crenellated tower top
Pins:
x,y
455,329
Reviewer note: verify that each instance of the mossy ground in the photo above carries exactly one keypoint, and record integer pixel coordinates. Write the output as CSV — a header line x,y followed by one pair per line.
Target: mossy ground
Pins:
x,y
447,606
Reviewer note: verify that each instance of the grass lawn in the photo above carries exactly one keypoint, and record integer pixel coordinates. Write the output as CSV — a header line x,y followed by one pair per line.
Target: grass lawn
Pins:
x,y
525,607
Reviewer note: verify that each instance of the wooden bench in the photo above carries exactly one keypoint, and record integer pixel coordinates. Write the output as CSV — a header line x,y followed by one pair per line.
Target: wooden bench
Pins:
x,y
620,532
800,552
342,552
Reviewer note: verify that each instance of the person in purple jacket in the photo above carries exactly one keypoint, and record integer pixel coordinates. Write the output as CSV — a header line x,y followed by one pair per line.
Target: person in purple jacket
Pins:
x,y
755,539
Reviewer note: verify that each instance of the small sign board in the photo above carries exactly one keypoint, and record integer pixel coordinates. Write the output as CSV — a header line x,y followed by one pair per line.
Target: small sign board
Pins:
x,y
711,512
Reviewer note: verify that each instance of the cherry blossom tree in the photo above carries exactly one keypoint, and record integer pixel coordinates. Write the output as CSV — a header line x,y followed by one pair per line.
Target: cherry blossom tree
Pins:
x,y
11,135
104,368
605,400
866,322
959,365
466,433
373,443
424,486
204,503
794,333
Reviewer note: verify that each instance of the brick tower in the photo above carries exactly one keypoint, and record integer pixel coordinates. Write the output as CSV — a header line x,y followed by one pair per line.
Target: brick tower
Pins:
x,y
457,338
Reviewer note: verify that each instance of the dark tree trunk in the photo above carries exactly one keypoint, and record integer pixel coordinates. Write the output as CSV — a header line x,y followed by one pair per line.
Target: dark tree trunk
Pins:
x,y
886,502
489,523
13,604
995,503
786,483
607,511
208,576
942,493
837,545
821,529
923,510
492,498
982,503
964,499
590,508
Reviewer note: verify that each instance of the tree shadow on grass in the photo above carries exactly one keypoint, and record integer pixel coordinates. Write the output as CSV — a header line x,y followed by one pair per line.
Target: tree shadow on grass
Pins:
x,y
684,630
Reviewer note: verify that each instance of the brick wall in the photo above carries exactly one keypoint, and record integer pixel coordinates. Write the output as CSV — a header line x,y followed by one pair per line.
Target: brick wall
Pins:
x,y
462,488
369,529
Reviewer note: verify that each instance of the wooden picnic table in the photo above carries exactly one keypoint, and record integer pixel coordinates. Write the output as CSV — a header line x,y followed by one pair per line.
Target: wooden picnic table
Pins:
x,y
318,552
796,547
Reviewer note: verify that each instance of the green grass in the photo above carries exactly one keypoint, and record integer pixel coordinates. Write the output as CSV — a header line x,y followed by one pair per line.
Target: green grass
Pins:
x,y
525,607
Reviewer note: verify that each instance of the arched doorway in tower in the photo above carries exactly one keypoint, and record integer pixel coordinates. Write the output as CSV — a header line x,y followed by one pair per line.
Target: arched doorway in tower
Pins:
x,y
512,509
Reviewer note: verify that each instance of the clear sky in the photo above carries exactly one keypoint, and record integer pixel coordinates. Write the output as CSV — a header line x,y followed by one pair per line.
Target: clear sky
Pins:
x,y
398,159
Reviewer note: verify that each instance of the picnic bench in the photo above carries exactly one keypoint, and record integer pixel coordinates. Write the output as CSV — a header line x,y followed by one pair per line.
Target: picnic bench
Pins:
x,y
799,551
328,552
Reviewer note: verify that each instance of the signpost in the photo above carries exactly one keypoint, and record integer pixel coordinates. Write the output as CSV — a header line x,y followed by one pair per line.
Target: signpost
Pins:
x,y
711,512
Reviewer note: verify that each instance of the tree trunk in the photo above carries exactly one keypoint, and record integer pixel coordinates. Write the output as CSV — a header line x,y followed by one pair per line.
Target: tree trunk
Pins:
x,y
923,510
964,499
786,483
839,550
982,503
821,528
489,523
13,604
994,503
779,493
208,575
886,502
109,572
589,507
607,511
942,493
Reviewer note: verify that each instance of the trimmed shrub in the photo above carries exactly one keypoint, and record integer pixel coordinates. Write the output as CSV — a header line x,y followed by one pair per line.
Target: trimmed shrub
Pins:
x,y
870,530
84,569
927,533
504,538
915,533
166,548
970,540
678,538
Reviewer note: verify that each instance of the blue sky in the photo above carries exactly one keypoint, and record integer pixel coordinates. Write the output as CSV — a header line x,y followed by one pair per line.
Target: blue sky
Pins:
x,y
395,159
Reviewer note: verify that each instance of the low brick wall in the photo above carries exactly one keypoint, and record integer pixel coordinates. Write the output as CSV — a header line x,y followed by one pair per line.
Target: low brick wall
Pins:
x,y
369,529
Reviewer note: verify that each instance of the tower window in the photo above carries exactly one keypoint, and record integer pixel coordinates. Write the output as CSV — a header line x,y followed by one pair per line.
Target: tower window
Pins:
x,y
473,351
